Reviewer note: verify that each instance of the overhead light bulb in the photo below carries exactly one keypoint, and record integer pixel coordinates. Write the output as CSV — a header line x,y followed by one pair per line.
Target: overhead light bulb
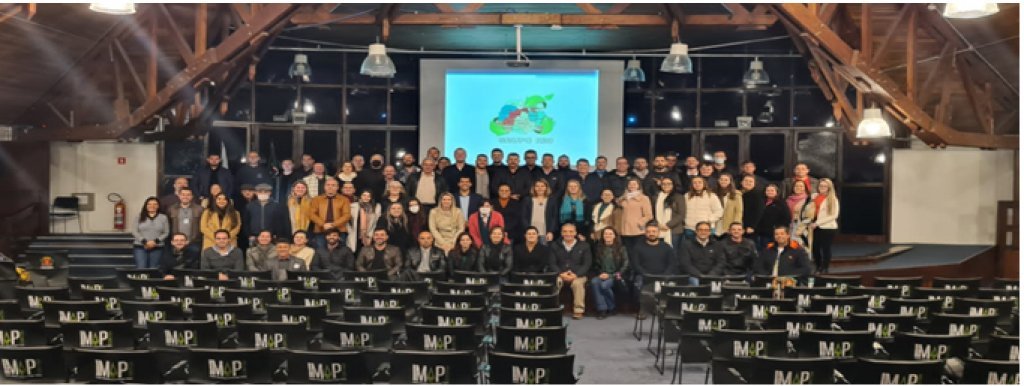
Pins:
x,y
872,125
377,64
309,107
634,73
880,158
756,75
113,7
300,68
676,113
678,60
969,9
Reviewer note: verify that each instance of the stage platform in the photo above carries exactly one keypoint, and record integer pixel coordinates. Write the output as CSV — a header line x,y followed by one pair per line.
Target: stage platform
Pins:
x,y
926,260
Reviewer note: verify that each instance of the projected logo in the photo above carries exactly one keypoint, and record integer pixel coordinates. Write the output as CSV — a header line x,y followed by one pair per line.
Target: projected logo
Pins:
x,y
524,117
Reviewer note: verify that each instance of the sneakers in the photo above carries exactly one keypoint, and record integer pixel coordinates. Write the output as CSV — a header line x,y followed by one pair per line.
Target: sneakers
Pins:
x,y
577,315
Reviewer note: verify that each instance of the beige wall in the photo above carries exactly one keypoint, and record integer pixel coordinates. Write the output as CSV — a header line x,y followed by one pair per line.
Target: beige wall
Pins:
x,y
948,196
92,167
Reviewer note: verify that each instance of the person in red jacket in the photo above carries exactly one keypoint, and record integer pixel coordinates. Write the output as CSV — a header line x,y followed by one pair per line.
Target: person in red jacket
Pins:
x,y
481,223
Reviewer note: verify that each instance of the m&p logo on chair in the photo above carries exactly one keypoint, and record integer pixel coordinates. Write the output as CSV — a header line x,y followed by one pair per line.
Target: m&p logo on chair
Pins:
x,y
46,262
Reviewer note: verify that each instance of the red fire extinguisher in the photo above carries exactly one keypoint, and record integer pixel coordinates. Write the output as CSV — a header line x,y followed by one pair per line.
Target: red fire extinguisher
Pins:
x,y
119,210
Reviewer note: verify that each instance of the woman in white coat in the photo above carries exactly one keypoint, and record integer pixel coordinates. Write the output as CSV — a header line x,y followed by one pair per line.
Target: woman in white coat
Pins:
x,y
365,212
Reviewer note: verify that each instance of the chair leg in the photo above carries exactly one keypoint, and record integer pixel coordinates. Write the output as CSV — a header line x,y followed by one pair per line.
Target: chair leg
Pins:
x,y
650,334
79,215
638,327
707,373
677,366
659,351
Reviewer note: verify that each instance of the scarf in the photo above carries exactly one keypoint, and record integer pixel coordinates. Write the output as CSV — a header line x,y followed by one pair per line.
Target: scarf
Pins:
x,y
365,208
571,210
817,203
795,200
601,208
485,228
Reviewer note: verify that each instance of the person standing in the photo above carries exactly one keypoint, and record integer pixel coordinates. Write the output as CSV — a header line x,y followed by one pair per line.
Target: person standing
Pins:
x,y
329,211
749,168
548,172
497,155
467,201
172,199
185,218
636,212
380,256
459,170
212,174
617,179
802,173
511,212
572,208
669,209
396,222
481,178
825,224
253,173
285,180
540,211
365,213
753,205
572,260
418,219
149,234
701,206
317,182
427,186
801,211
221,215
601,166
481,223
372,178
652,183
591,182
263,214
732,204
347,173
446,222
334,257
605,213
775,214
408,167
296,211
518,179
640,169
610,261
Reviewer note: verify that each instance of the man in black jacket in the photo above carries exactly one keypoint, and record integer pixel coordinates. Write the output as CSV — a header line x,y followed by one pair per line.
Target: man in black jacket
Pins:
x,y
423,258
571,258
252,172
652,257
700,256
739,252
652,184
335,256
784,257
177,255
466,200
517,178
458,169
617,179
209,174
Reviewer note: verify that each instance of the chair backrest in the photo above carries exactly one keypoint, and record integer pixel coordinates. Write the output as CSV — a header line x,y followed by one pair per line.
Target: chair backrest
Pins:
x,y
760,308
185,297
835,344
66,202
77,283
527,289
840,282
542,340
98,334
1006,283
117,366
840,306
431,277
551,317
387,299
22,333
653,282
914,346
182,333
905,284
70,311
332,302
224,315
676,306
370,277
310,279
508,368
125,274
351,289
528,302
741,344
761,281
473,277
310,316
9,309
685,290
887,372
141,312
986,371
258,299
885,326
395,317
803,295
247,279
282,289
238,365
428,337
979,327
338,335
148,289
42,364
530,278
947,295
877,296
970,283
1001,294
447,300
798,371
31,298
50,260
705,322
716,282
111,297
346,367
450,367
1004,348
1002,309
922,309
796,322
440,316
460,288
272,335
186,277
420,290
216,287
731,293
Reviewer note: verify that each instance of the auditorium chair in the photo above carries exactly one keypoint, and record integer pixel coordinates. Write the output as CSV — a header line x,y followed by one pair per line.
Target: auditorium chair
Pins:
x,y
239,365
528,302
450,367
393,316
140,311
509,368
247,279
1002,309
111,298
310,279
77,283
148,288
648,301
332,367
282,289
338,335
125,274
904,284
531,341
311,317
216,287
420,290
23,333
550,317
918,346
446,300
528,289
731,293
403,300
332,302
987,371
30,299
716,282
185,297
431,277
671,313
98,334
351,289
117,366
9,309
843,346
885,371
182,334
461,288
1003,348
840,306
947,295
695,336
369,277
782,370
39,364
921,309
979,327
968,283
272,335
186,277
258,299
841,283
1006,283
733,351
803,295
756,310
226,317
761,281
884,326
56,312
431,337
531,278
440,316
877,296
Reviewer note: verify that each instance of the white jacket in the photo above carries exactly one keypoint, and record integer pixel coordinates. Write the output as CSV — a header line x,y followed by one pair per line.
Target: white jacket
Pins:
x,y
353,224
828,217
705,207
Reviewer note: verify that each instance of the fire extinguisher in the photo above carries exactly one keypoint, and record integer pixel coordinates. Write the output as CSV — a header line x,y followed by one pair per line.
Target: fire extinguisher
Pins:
x,y
119,210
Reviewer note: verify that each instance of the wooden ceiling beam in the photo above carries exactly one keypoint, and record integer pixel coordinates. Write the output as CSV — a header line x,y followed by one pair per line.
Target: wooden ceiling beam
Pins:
x,y
177,37
890,34
588,8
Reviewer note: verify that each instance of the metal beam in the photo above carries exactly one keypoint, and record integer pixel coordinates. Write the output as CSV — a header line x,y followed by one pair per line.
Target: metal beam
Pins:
x,y
470,18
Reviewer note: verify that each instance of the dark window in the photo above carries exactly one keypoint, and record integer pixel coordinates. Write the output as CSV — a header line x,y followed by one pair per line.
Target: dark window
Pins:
x,y
405,107
408,142
322,105
367,106
323,146
275,101
729,143
819,151
234,140
407,69
634,145
863,163
769,107
768,151
723,72
276,145
240,104
679,143
637,109
811,109
722,106
675,109
868,218
367,143
180,157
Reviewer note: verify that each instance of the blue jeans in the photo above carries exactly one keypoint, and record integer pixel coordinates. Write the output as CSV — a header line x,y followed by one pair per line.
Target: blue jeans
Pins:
x,y
604,297
147,259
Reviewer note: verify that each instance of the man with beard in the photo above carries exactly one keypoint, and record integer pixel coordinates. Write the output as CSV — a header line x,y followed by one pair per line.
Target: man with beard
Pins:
x,y
481,179
640,168
284,180
334,256
616,181
740,252
518,179
458,169
307,165
651,257
253,173
317,180
209,174
497,155
171,199
380,256
548,172
178,255
408,167
661,171
690,169
530,159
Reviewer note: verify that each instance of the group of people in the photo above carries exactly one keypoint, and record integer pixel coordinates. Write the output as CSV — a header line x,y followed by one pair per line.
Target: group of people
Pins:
x,y
597,227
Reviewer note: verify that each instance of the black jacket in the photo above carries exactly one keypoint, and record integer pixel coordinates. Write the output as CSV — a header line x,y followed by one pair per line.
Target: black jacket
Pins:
x,y
204,178
370,179
413,256
578,260
247,175
696,259
753,208
398,235
739,257
440,187
592,185
550,214
536,261
462,262
646,259
617,183
650,184
520,182
513,215
794,261
775,214
336,260
502,266
266,217
187,258
555,179
452,174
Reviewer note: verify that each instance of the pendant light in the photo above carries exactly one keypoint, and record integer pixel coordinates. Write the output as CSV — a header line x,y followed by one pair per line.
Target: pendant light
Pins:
x,y
113,7
678,60
377,64
872,125
634,73
969,9
756,75
300,68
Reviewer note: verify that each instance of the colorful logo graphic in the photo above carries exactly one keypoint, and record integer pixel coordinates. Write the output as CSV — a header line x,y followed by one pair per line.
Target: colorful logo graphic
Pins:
x,y
524,117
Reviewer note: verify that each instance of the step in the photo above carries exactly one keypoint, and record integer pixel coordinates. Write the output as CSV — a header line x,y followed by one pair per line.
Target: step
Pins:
x,y
87,236
100,259
82,248
96,270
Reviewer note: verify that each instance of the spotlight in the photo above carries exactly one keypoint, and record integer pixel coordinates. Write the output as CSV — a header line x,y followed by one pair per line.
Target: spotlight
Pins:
x,y
634,73
969,9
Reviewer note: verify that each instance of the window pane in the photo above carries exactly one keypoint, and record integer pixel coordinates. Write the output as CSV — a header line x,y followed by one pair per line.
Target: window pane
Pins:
x,y
352,75
674,81
819,151
810,108
234,140
274,101
273,66
869,218
407,69
367,106
769,108
679,143
276,145
407,142
768,151
322,145
720,106
863,163
802,74
322,105
326,67
634,145
638,109
183,157
722,72
405,107
730,144
240,104
366,143
675,109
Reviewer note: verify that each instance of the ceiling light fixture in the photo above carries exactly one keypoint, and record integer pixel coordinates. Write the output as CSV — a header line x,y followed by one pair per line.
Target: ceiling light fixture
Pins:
x,y
872,125
969,9
767,115
678,60
377,64
756,75
113,7
634,73
300,68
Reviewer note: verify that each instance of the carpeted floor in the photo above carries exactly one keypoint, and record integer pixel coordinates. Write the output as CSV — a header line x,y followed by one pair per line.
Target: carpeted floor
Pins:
x,y
610,355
